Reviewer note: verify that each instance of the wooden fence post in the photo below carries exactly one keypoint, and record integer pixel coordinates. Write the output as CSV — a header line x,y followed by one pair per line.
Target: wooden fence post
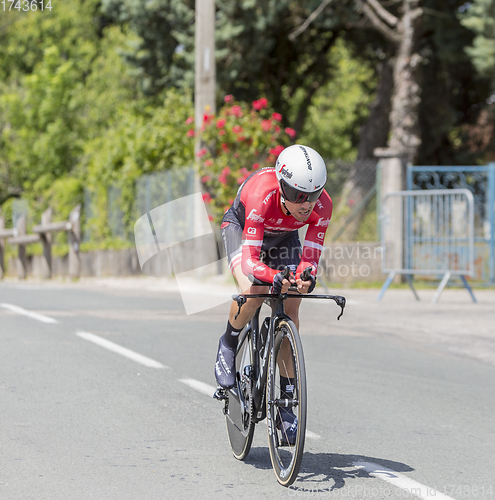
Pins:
x,y
21,253
74,242
46,238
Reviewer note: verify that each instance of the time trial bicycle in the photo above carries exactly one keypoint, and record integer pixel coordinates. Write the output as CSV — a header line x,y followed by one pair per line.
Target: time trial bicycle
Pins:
x,y
261,360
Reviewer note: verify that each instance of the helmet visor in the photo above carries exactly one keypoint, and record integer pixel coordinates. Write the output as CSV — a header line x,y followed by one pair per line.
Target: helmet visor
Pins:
x,y
293,195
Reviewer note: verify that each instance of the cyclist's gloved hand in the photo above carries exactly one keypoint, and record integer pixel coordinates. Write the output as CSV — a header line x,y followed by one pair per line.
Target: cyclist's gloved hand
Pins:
x,y
278,281
313,283
307,276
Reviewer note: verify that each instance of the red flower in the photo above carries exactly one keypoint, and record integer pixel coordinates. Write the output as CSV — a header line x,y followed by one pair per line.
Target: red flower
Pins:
x,y
207,118
221,132
201,153
210,218
276,150
221,122
290,132
260,104
266,125
277,117
237,129
190,120
223,176
208,163
190,132
350,203
225,147
228,98
207,198
256,166
277,129
237,111
205,178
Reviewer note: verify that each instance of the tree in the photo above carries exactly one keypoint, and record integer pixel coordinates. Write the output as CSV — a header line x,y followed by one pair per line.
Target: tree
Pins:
x,y
479,16
255,54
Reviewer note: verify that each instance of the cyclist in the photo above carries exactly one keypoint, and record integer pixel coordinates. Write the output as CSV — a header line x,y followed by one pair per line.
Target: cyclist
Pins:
x,y
260,233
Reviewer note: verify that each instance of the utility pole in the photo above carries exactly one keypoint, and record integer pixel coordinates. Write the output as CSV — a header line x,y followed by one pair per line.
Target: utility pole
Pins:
x,y
205,78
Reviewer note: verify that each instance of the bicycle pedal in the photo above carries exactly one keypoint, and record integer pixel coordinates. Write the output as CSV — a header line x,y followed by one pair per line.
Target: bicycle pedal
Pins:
x,y
220,394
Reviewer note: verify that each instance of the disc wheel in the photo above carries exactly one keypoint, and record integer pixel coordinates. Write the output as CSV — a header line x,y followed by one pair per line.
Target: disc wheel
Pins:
x,y
286,360
239,415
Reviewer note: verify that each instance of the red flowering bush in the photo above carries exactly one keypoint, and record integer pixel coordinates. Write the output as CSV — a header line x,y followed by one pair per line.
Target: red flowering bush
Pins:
x,y
239,140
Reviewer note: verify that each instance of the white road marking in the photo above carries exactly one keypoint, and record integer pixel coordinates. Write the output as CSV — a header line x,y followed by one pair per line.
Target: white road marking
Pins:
x,y
401,481
138,358
311,435
209,390
30,314
201,387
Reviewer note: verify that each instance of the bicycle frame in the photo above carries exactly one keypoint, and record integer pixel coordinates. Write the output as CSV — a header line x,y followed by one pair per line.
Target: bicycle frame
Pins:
x,y
260,370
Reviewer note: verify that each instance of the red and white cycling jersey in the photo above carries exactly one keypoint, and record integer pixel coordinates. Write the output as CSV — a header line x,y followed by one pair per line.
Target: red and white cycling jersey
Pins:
x,y
257,209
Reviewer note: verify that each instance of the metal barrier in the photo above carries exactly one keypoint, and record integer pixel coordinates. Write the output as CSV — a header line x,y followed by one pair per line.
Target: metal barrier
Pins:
x,y
480,180
428,232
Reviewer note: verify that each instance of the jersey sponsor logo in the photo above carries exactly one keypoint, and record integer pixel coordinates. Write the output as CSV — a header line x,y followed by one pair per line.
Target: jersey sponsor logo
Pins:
x,y
323,222
250,263
259,268
268,196
254,216
321,235
251,230
319,203
283,170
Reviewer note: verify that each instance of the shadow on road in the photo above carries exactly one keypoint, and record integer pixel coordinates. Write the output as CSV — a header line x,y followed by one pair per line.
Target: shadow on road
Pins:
x,y
325,472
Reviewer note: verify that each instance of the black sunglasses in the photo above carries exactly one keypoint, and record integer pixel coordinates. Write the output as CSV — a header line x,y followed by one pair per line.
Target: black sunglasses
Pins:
x,y
293,195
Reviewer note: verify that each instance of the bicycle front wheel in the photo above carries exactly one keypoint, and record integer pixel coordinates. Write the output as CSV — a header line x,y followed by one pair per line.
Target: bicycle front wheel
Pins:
x,y
286,362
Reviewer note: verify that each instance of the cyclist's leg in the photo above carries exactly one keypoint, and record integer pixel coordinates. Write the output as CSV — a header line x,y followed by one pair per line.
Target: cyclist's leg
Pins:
x,y
225,363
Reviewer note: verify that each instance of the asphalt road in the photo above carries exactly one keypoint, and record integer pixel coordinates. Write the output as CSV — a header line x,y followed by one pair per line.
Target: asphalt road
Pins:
x,y
401,397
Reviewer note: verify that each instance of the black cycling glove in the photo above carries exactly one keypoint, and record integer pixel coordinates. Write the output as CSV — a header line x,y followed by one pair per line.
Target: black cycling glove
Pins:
x,y
313,282
277,282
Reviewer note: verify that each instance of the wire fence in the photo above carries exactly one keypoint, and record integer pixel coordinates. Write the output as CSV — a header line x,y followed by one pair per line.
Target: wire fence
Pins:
x,y
353,187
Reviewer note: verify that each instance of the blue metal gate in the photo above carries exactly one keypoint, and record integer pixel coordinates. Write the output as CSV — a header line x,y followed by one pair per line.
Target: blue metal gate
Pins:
x,y
480,180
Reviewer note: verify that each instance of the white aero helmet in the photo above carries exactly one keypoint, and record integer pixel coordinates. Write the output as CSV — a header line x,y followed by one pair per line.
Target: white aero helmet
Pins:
x,y
301,173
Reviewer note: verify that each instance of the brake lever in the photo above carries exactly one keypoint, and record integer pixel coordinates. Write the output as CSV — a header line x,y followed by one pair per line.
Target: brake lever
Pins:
x,y
241,300
340,301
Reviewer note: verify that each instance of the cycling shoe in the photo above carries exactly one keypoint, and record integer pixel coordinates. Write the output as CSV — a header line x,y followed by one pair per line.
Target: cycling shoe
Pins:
x,y
225,366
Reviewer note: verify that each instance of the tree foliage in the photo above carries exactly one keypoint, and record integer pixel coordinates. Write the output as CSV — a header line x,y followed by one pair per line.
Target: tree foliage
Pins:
x,y
479,16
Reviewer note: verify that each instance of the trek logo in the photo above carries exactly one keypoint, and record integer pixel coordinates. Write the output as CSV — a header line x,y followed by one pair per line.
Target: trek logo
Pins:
x,y
251,230
254,216
285,172
268,196
323,222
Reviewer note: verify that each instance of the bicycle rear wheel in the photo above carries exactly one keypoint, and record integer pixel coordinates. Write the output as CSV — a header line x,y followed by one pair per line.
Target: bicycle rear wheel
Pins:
x,y
286,360
239,416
